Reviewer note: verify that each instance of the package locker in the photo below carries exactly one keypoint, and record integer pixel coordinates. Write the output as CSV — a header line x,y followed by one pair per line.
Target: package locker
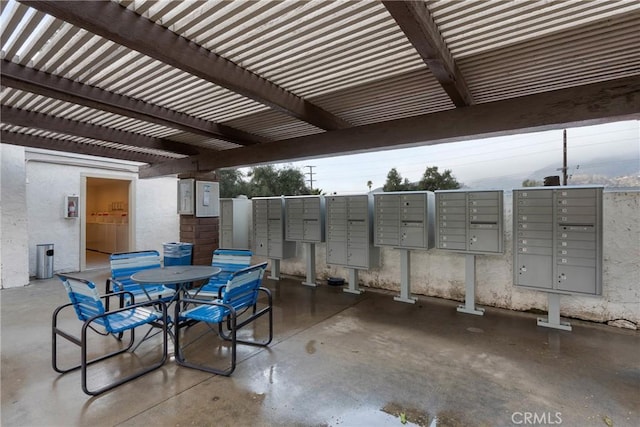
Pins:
x,y
234,223
558,239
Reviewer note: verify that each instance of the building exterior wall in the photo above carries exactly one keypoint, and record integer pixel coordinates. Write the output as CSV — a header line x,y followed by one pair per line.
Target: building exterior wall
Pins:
x,y
14,254
442,274
156,220
34,186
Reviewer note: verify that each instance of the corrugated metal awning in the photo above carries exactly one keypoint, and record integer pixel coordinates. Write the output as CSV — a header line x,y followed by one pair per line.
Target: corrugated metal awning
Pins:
x,y
168,80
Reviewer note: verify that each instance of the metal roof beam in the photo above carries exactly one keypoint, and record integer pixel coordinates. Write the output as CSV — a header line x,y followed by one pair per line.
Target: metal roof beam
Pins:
x,y
577,106
31,119
33,141
30,80
418,25
127,28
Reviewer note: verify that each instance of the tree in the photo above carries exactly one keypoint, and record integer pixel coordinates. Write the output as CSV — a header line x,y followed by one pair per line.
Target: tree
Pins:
x,y
369,184
232,183
394,181
531,183
291,182
269,181
433,180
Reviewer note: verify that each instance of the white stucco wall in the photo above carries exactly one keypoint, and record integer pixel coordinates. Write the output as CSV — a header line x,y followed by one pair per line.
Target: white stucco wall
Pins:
x,y
13,217
442,274
37,182
157,221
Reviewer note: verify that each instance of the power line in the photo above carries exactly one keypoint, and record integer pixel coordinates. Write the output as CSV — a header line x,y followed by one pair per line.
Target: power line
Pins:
x,y
310,173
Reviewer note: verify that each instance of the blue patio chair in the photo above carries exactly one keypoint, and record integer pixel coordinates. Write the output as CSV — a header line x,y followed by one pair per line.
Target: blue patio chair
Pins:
x,y
90,310
235,309
124,264
229,261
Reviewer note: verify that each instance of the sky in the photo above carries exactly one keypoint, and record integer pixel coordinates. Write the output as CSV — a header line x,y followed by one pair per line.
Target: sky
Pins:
x,y
508,157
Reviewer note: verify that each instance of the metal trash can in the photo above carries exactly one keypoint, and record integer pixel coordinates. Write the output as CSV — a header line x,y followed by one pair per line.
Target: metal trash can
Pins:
x,y
177,253
44,261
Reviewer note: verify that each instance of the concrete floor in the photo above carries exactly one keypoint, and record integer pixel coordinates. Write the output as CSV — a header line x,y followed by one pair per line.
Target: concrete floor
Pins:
x,y
342,360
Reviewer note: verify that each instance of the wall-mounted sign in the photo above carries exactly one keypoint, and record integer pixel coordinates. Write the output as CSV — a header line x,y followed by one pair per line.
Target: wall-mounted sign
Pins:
x,y
185,196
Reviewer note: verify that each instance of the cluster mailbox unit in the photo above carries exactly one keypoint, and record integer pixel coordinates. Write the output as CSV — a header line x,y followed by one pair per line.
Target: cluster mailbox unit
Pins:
x,y
305,224
234,223
470,222
405,221
558,243
268,232
350,235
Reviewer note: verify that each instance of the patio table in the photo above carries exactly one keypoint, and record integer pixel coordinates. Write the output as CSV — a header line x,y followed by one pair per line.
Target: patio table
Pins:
x,y
179,275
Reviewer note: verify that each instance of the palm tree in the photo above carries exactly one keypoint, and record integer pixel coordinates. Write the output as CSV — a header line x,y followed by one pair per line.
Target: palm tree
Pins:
x,y
369,184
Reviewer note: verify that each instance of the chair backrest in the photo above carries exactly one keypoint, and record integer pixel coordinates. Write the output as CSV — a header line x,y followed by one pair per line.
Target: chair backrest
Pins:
x,y
85,298
230,261
242,288
124,264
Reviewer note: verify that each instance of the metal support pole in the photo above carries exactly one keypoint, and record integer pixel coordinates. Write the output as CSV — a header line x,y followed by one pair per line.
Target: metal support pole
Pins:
x,y
553,315
405,278
354,285
310,249
275,269
470,282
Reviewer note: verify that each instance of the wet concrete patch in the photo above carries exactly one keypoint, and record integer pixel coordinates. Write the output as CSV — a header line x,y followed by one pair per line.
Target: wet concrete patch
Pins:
x,y
407,414
311,347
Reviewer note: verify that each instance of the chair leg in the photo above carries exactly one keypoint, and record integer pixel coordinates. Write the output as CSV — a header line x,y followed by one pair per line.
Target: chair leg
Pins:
x,y
183,361
267,310
55,332
85,363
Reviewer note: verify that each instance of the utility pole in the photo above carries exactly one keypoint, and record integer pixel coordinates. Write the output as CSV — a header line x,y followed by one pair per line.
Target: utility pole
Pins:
x,y
564,158
310,173
564,168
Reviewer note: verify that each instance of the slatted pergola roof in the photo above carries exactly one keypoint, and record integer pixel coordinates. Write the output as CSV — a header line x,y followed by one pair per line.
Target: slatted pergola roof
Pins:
x,y
192,86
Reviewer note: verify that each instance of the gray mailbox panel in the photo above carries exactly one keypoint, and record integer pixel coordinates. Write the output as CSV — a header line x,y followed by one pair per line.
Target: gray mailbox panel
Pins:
x,y
469,221
558,239
268,229
404,219
349,231
305,218
234,223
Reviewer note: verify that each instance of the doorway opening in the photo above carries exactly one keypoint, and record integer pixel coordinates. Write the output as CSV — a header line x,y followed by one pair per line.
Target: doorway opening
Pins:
x,y
106,218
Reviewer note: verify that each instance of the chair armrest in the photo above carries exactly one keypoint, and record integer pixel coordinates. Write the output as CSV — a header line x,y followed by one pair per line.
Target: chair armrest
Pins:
x,y
120,294
221,290
109,292
109,288
268,293
162,304
58,310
